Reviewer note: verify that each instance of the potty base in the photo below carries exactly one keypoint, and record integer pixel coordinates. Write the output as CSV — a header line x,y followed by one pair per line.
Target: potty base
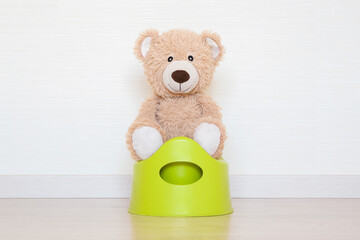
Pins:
x,y
180,179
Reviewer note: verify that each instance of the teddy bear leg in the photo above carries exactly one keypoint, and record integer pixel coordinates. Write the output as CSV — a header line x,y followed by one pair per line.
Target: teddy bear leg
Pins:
x,y
145,141
208,136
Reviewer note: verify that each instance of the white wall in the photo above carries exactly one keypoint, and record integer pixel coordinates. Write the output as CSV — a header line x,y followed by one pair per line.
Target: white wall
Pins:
x,y
289,84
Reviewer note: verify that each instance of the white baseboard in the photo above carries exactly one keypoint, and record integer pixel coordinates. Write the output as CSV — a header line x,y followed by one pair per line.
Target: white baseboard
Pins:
x,y
119,186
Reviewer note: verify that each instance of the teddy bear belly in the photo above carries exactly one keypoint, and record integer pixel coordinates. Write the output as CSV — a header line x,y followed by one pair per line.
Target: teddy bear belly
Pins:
x,y
185,129
178,118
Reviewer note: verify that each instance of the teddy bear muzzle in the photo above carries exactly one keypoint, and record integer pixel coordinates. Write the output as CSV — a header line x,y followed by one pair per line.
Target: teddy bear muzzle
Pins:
x,y
180,77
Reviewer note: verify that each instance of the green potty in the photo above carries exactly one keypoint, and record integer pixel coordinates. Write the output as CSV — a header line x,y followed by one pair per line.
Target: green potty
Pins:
x,y
180,179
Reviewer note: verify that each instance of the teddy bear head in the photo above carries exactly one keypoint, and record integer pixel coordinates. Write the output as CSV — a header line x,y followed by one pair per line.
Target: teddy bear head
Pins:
x,y
179,62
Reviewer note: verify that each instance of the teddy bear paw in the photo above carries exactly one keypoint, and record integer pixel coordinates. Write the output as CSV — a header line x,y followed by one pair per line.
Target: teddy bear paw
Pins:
x,y
145,141
208,136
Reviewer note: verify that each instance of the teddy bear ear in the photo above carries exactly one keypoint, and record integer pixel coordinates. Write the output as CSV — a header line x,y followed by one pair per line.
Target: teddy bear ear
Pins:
x,y
143,43
214,42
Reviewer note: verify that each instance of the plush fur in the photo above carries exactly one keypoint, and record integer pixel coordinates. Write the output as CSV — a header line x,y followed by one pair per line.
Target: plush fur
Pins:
x,y
172,113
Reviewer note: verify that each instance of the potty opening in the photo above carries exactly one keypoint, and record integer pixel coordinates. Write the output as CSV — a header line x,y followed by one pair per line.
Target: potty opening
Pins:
x,y
181,173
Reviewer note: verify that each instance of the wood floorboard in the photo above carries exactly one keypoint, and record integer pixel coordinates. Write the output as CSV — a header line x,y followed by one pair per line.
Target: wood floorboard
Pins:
x,y
103,219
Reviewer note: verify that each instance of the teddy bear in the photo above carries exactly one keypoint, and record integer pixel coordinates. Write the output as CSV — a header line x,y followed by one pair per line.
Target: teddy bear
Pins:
x,y
179,65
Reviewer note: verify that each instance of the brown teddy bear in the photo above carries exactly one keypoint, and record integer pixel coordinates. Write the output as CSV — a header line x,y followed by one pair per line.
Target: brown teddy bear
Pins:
x,y
179,65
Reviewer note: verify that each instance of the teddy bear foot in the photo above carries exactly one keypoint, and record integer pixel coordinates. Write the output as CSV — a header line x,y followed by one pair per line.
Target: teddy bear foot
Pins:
x,y
145,141
208,136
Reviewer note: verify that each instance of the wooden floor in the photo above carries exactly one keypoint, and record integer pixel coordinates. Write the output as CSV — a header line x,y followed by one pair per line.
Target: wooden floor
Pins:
x,y
102,219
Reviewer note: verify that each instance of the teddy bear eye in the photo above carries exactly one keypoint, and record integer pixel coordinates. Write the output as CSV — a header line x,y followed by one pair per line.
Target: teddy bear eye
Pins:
x,y
191,58
170,59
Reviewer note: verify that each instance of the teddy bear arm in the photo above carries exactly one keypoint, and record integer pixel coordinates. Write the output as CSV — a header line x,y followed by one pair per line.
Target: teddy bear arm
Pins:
x,y
209,107
210,132
145,136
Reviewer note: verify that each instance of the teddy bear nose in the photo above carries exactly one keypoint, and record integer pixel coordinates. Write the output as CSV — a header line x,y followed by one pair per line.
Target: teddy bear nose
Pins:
x,y
180,76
